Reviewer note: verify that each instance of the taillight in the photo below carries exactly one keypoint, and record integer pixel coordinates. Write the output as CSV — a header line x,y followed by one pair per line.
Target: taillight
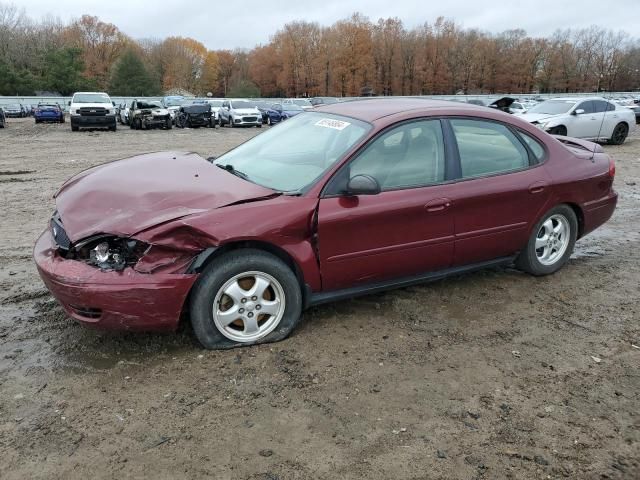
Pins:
x,y
612,168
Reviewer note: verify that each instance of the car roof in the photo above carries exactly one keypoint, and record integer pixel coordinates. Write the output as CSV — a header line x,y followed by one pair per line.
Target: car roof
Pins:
x,y
576,99
373,109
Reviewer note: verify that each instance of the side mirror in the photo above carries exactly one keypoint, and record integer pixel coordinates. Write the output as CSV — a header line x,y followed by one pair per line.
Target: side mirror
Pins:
x,y
69,103
363,185
579,111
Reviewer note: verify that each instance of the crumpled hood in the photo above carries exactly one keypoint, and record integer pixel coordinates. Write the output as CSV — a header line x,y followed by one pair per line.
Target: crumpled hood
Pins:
x,y
536,117
130,195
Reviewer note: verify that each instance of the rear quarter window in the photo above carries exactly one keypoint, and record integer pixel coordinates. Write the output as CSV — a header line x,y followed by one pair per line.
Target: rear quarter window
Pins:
x,y
535,146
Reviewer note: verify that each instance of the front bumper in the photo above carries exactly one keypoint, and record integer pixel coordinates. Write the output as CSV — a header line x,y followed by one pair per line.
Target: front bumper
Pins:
x,y
249,121
93,121
597,212
125,300
156,121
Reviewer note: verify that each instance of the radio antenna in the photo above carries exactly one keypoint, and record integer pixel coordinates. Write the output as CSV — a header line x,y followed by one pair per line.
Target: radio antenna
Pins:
x,y
604,114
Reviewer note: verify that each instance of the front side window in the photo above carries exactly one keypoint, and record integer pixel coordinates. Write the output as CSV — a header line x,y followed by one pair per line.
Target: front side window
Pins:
x,y
487,148
587,106
409,155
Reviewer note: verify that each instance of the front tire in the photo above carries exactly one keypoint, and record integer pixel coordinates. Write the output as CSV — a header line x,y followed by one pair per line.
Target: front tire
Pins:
x,y
559,130
245,297
551,242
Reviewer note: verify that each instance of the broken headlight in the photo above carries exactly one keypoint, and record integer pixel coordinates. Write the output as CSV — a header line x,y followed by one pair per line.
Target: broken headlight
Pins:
x,y
109,252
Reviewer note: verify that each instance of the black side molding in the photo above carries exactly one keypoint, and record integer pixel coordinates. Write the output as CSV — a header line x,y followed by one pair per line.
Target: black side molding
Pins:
x,y
200,260
367,289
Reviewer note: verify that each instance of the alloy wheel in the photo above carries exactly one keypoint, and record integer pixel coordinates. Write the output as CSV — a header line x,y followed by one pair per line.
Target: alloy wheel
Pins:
x,y
248,306
552,239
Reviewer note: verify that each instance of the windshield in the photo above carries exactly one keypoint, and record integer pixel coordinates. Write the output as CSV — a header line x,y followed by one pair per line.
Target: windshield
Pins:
x,y
13,105
215,103
302,102
553,107
241,104
173,102
91,98
296,153
149,105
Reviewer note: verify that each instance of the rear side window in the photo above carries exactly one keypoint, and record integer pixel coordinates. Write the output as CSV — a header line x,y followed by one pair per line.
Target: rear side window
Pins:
x,y
535,146
487,148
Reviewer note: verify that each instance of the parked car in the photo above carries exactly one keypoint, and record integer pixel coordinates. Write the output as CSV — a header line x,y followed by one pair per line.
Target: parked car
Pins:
x,y
13,110
216,105
123,113
195,116
92,110
239,113
48,112
173,104
144,114
304,103
319,101
636,110
282,111
263,106
517,107
311,212
592,118
2,118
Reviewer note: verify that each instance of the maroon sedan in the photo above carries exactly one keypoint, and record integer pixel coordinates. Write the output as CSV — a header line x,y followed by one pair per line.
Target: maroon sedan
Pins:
x,y
350,199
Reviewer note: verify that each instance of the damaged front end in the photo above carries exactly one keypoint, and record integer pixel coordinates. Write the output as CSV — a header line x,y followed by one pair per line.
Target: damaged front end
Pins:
x,y
115,253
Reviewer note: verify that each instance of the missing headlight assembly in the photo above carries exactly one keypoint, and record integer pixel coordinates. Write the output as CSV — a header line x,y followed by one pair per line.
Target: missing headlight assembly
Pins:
x,y
108,252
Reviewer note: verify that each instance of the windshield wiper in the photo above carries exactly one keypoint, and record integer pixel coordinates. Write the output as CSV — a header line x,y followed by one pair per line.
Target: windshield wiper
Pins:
x,y
229,168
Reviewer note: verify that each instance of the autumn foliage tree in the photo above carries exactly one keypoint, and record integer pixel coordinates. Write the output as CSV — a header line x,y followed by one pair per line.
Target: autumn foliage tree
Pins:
x,y
354,56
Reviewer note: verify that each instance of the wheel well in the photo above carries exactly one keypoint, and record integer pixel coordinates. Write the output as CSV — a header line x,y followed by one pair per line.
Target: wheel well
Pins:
x,y
265,246
580,216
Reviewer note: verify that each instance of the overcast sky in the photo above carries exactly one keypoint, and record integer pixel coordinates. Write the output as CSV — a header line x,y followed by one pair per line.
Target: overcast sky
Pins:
x,y
223,24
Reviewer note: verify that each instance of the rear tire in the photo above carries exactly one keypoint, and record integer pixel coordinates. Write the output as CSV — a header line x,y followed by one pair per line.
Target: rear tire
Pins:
x,y
551,242
619,134
209,300
74,128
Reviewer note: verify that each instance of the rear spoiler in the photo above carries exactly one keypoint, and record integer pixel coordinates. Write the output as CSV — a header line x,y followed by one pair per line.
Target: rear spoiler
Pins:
x,y
581,144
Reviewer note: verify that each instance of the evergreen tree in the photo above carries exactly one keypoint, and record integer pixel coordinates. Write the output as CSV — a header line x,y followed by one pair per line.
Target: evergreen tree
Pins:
x,y
131,78
63,72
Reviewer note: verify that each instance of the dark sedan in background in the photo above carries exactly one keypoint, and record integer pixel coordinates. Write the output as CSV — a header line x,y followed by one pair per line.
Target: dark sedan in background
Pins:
x,y
13,110
1,118
48,112
278,112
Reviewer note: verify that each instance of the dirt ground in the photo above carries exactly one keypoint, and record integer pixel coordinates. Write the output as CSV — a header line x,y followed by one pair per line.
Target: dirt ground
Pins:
x,y
493,375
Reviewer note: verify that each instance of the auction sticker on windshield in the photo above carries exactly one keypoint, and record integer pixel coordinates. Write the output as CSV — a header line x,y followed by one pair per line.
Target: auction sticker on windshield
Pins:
x,y
331,123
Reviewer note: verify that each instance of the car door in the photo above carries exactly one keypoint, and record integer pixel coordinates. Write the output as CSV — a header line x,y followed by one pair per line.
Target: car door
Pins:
x,y
587,123
405,229
611,118
502,191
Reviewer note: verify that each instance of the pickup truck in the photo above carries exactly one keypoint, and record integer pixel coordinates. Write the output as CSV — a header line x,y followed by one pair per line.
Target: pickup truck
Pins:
x,y
92,110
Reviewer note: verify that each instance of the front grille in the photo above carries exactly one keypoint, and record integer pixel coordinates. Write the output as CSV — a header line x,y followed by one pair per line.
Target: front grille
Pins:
x,y
249,119
58,232
93,111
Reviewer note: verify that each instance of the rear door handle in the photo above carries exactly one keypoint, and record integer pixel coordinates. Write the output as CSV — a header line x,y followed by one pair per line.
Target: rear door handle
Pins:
x,y
438,204
537,187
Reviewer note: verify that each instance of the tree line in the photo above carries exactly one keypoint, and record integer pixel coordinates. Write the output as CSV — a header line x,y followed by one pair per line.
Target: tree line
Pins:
x,y
352,57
